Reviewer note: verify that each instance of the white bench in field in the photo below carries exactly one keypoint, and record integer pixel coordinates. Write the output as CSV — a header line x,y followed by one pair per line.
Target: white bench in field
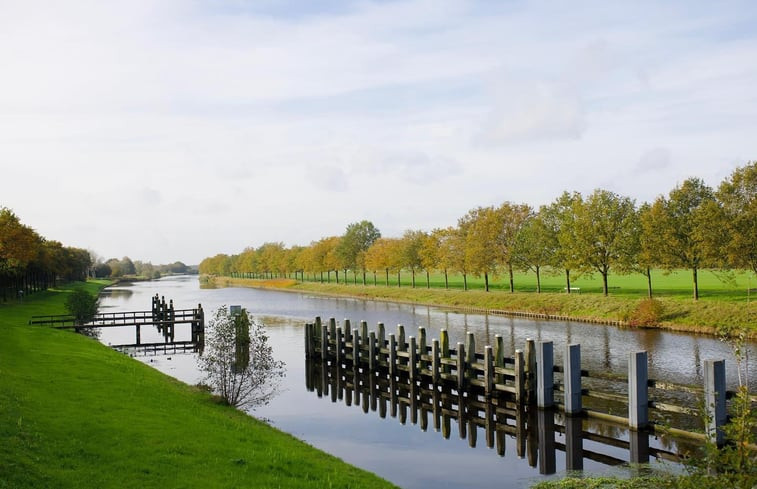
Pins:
x,y
572,289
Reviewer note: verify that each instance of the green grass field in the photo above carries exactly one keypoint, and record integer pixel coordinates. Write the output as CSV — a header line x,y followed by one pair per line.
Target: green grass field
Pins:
x,y
724,303
729,286
75,414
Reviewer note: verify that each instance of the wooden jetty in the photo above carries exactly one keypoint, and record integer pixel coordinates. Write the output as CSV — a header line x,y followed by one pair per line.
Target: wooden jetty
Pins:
x,y
529,378
162,315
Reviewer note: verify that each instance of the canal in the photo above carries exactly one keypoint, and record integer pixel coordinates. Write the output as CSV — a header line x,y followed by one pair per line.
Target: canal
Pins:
x,y
405,454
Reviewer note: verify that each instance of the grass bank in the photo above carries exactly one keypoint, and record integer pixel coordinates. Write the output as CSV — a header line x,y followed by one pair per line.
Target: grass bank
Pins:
x,y
674,312
74,413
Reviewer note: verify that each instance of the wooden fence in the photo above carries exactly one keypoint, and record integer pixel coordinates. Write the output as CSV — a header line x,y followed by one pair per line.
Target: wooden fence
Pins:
x,y
530,377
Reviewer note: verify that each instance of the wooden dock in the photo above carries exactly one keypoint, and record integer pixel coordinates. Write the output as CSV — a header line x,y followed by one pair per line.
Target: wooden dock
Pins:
x,y
162,316
529,378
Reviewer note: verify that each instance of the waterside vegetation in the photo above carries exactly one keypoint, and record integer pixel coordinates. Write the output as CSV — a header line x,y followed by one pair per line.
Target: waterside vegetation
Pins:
x,y
694,228
74,413
668,311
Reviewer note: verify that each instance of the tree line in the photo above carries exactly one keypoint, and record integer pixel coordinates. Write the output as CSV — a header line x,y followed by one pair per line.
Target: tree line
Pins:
x,y
30,262
126,267
693,227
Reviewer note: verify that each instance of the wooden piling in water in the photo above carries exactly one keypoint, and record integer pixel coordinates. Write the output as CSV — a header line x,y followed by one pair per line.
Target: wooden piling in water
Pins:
x,y
544,374
714,399
638,399
572,379
527,376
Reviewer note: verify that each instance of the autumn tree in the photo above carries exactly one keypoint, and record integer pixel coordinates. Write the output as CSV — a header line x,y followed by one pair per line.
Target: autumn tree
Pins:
x,y
453,253
737,196
412,242
480,227
678,227
536,245
19,244
357,238
438,251
605,228
510,219
430,254
560,220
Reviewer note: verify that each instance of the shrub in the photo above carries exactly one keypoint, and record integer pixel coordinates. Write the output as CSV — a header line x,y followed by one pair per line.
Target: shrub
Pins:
x,y
648,312
238,361
81,305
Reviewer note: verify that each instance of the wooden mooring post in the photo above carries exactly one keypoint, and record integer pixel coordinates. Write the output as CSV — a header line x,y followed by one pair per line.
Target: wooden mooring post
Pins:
x,y
528,377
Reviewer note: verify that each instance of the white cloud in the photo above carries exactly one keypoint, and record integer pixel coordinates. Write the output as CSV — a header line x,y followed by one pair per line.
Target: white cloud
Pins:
x,y
288,125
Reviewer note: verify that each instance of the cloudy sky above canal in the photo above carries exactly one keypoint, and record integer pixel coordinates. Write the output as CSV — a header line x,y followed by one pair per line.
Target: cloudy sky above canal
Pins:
x,y
174,130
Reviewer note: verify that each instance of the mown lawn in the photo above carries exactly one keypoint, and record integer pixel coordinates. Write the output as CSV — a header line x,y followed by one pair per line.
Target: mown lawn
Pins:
x,y
719,309
74,413
713,284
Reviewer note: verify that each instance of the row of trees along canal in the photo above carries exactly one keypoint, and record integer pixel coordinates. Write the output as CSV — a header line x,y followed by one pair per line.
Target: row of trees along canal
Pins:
x,y
694,227
30,262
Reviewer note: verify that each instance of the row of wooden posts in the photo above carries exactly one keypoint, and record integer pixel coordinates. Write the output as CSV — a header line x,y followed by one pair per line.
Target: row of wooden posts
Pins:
x,y
164,317
528,376
534,430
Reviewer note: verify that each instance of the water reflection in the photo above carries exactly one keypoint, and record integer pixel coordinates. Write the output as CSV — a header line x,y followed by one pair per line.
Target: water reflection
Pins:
x,y
380,443
538,434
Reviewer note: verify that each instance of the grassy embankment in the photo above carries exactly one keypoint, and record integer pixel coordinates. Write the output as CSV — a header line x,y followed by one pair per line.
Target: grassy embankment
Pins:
x,y
723,304
74,413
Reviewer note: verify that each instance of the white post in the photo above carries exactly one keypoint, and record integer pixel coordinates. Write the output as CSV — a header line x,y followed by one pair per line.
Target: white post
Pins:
x,y
572,379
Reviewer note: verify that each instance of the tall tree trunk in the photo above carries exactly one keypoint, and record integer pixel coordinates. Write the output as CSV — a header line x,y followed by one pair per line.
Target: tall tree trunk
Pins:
x,y
696,283
538,279
446,280
604,283
649,282
567,280
512,281
412,270
374,278
428,282
328,276
387,276
364,276
399,279
465,281
486,281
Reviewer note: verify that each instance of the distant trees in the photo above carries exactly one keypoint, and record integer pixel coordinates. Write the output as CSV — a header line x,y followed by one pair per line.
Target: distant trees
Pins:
x,y
358,237
29,262
601,233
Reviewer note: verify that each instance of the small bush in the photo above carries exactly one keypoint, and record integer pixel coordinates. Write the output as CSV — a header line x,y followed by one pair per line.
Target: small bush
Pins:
x,y
648,312
81,305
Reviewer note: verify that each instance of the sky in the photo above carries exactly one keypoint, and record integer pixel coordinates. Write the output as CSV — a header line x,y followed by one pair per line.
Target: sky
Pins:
x,y
175,130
